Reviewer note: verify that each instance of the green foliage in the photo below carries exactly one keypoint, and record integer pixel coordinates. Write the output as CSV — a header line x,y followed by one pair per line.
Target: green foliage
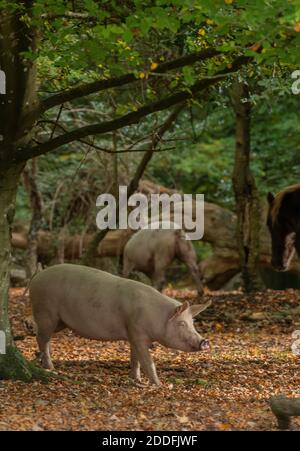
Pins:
x,y
22,205
203,161
111,38
108,39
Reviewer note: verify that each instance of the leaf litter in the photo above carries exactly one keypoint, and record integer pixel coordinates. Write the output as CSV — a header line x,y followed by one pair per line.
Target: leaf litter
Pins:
x,y
227,388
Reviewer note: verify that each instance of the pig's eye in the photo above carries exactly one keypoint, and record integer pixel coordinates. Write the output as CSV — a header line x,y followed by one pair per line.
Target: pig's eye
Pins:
x,y
182,323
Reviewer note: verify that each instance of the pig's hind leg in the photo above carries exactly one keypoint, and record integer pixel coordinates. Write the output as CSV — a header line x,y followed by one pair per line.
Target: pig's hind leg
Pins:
x,y
158,276
186,253
44,347
128,267
162,260
44,333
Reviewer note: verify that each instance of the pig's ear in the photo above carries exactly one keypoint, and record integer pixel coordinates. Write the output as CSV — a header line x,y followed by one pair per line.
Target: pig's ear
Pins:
x,y
180,309
196,309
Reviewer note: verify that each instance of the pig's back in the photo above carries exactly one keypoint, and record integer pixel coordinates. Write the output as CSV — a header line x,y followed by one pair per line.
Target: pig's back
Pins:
x,y
94,303
146,243
82,298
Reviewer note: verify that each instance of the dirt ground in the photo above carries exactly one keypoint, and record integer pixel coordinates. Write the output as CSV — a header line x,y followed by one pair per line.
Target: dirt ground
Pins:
x,y
227,388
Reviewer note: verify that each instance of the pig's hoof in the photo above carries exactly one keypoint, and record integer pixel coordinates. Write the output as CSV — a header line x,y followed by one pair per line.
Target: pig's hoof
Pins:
x,y
154,387
138,383
156,384
48,365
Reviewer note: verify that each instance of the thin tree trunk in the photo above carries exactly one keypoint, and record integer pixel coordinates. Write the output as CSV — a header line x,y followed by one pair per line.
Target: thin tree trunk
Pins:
x,y
29,175
115,163
133,185
245,191
61,244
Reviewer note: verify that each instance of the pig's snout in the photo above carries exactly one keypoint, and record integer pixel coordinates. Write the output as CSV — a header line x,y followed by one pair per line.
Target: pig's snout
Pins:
x,y
204,345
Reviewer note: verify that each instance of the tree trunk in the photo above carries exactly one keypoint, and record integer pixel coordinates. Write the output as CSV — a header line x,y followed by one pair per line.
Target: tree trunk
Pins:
x,y
18,103
12,363
246,194
36,205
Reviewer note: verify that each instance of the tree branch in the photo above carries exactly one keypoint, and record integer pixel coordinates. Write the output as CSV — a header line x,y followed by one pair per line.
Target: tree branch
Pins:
x,y
23,154
95,146
101,85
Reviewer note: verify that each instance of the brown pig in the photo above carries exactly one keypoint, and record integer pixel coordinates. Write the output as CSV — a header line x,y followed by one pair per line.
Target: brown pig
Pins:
x,y
101,306
152,251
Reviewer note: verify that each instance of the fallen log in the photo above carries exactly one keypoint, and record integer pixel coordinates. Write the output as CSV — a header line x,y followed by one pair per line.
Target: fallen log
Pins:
x,y
74,245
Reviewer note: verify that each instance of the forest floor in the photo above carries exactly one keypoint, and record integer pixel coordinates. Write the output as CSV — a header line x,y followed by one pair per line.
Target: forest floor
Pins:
x,y
227,388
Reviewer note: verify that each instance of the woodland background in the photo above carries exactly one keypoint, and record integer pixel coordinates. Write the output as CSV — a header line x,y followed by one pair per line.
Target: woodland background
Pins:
x,y
161,96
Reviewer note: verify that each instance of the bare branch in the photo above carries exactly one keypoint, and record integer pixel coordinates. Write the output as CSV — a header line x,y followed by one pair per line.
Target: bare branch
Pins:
x,y
130,149
101,85
134,117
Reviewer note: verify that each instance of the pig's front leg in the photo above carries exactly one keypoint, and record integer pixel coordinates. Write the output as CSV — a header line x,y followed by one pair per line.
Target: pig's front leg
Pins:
x,y
135,367
158,279
140,349
191,263
197,278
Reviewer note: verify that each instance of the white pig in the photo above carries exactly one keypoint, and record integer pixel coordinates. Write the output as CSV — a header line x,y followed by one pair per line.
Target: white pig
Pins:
x,y
101,306
153,251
